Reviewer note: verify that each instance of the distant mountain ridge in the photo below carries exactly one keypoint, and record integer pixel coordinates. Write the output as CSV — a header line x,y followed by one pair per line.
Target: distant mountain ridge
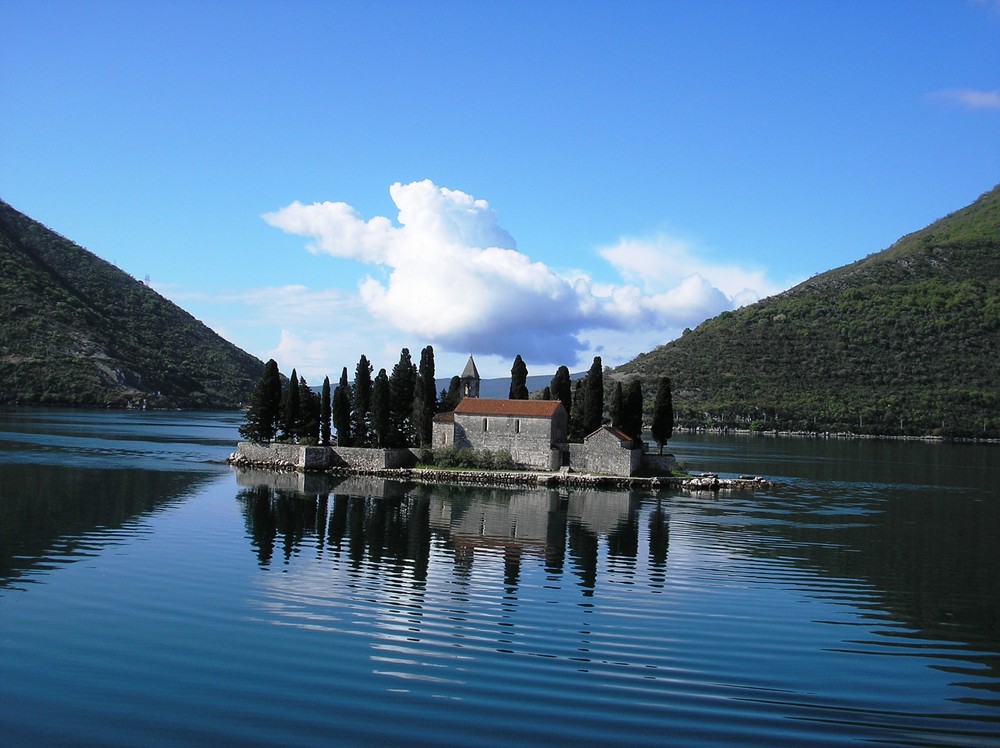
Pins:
x,y
76,330
904,341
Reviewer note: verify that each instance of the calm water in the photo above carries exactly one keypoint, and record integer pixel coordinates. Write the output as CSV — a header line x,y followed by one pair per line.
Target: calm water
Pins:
x,y
149,594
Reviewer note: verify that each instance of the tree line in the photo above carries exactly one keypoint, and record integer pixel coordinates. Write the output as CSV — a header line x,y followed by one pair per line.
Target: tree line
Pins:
x,y
387,410
397,409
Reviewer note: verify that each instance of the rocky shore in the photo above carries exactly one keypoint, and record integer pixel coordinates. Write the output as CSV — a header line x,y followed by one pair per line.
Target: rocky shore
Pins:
x,y
843,435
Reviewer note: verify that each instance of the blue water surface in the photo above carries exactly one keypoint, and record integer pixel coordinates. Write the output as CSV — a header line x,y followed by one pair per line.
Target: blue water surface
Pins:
x,y
152,595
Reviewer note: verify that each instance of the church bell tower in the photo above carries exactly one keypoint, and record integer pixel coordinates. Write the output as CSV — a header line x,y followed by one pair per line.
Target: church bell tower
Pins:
x,y
470,379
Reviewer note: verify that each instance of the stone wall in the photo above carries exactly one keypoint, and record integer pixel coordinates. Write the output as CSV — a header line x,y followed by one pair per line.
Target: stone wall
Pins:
x,y
597,456
612,460
290,456
658,464
442,433
363,458
296,457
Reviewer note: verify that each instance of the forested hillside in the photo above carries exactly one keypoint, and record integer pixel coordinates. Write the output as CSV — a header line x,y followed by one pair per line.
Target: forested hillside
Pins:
x,y
75,329
904,341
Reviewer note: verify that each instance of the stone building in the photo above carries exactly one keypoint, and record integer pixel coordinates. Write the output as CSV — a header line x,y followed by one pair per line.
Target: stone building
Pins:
x,y
608,451
533,431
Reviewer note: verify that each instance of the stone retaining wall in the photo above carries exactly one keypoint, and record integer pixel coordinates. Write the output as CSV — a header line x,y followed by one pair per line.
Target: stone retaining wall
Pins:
x,y
364,458
297,457
657,463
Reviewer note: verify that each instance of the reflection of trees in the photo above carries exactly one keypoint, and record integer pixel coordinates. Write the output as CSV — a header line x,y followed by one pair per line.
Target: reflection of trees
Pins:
x,y
393,528
389,531
270,514
659,543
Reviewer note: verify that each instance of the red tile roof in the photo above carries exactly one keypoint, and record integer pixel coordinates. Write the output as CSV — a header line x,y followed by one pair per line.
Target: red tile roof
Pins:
x,y
484,406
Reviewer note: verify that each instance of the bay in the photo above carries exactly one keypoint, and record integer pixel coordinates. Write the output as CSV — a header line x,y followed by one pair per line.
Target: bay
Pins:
x,y
150,594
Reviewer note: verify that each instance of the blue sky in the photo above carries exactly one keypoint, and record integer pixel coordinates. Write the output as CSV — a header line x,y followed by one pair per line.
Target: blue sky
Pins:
x,y
320,180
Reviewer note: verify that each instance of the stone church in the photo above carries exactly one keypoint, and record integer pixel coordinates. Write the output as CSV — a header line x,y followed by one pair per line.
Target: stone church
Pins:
x,y
533,431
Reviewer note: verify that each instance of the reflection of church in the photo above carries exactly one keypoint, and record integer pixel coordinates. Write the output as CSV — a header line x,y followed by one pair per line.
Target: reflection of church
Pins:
x,y
398,526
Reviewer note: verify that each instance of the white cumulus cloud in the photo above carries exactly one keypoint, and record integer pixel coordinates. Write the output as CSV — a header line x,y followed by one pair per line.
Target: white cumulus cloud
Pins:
x,y
446,272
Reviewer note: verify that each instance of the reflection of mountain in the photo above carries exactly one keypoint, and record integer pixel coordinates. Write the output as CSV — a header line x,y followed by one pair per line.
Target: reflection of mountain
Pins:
x,y
932,561
395,523
53,514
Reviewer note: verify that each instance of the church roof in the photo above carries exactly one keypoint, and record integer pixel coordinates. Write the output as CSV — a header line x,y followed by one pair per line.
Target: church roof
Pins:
x,y
470,369
484,406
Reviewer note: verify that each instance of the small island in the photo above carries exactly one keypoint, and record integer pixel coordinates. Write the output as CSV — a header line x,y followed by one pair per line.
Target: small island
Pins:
x,y
490,441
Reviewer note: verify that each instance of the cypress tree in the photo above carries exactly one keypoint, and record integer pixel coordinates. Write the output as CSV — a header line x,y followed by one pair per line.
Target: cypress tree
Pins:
x,y
342,411
518,380
617,407
562,388
577,412
425,398
451,398
362,402
261,420
325,410
380,410
632,421
662,427
593,416
307,423
272,398
402,382
290,409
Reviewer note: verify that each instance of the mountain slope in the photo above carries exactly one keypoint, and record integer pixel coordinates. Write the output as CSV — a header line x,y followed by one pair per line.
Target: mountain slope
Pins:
x,y
75,329
904,341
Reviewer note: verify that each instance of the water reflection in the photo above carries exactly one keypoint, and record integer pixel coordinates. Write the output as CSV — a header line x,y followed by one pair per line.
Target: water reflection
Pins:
x,y
367,520
915,567
51,515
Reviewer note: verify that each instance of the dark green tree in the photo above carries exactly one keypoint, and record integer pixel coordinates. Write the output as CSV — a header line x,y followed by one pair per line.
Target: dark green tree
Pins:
x,y
451,397
402,382
290,409
307,423
562,388
632,420
578,411
325,410
362,403
380,410
425,398
546,393
593,415
518,380
617,411
261,421
662,427
342,397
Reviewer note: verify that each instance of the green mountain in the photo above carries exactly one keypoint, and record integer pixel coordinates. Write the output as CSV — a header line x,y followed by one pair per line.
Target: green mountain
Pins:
x,y
75,329
905,341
